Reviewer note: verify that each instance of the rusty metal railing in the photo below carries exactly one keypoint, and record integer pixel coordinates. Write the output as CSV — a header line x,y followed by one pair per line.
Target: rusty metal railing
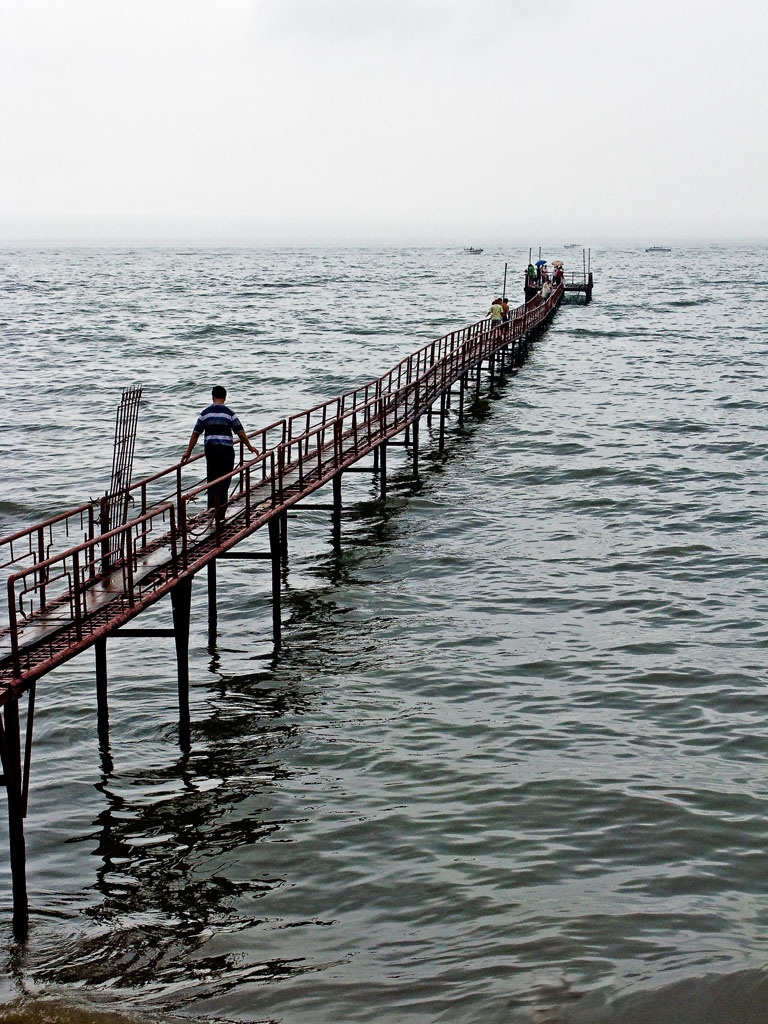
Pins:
x,y
69,587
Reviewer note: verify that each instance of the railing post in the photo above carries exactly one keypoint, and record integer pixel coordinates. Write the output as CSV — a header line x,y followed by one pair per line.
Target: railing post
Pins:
x,y
178,485
41,558
129,565
183,529
91,535
174,543
337,443
14,629
104,527
76,595
143,512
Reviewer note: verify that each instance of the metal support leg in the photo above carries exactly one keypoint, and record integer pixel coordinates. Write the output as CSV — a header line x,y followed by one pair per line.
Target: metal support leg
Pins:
x,y
336,514
10,748
442,423
102,705
462,389
181,599
275,551
28,748
383,471
416,448
283,536
213,615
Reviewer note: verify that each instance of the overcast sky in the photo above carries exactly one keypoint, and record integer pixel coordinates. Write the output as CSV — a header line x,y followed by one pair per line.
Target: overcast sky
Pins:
x,y
457,121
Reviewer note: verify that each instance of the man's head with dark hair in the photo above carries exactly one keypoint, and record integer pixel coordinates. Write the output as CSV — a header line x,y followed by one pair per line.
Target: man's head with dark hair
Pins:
x,y
219,392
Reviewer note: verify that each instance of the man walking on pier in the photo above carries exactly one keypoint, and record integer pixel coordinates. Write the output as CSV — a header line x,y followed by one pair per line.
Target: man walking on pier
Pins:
x,y
218,423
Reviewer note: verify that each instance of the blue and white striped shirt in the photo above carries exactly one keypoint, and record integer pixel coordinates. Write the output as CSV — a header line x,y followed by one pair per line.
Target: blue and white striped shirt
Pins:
x,y
217,422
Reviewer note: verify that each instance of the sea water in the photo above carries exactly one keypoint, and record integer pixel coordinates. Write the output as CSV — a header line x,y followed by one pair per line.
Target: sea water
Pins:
x,y
510,763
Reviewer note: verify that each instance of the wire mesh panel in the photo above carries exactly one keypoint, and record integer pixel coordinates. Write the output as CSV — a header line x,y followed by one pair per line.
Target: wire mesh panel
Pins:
x,y
114,506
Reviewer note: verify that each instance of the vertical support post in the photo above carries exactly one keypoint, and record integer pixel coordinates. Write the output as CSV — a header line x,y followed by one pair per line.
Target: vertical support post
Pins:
x,y
383,471
462,389
213,615
491,370
102,706
28,749
104,527
442,423
181,600
376,460
336,514
10,747
477,377
283,530
275,551
416,447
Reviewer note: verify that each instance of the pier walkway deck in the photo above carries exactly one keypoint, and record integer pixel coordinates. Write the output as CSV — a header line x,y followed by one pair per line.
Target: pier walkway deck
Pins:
x,y
72,582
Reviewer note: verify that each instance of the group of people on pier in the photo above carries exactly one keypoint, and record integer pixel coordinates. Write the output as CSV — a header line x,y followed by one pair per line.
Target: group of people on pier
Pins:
x,y
539,274
537,282
499,312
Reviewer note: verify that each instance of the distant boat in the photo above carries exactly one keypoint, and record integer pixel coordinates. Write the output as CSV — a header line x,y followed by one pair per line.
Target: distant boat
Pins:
x,y
658,248
572,245
471,249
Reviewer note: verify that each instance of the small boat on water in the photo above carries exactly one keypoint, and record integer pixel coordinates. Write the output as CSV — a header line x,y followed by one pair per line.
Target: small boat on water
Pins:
x,y
572,245
658,248
472,249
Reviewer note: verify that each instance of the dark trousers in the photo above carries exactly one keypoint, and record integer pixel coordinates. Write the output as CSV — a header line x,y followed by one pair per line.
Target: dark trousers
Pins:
x,y
219,459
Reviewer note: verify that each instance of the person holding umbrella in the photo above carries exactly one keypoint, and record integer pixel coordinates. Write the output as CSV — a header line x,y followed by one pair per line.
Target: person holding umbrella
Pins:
x,y
540,264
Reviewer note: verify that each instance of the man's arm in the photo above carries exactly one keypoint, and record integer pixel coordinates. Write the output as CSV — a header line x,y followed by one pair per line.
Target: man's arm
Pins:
x,y
244,438
192,442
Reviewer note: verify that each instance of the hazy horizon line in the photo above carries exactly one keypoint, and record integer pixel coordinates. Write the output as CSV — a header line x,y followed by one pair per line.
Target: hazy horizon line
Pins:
x,y
342,242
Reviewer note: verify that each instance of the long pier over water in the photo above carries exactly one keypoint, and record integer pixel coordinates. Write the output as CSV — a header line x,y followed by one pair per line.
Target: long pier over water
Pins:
x,y
72,582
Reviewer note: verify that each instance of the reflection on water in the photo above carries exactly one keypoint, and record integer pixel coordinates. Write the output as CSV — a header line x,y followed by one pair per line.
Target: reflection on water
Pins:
x,y
158,839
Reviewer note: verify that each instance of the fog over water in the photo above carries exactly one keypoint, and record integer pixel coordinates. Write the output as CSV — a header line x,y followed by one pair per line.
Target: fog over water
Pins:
x,y
391,120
